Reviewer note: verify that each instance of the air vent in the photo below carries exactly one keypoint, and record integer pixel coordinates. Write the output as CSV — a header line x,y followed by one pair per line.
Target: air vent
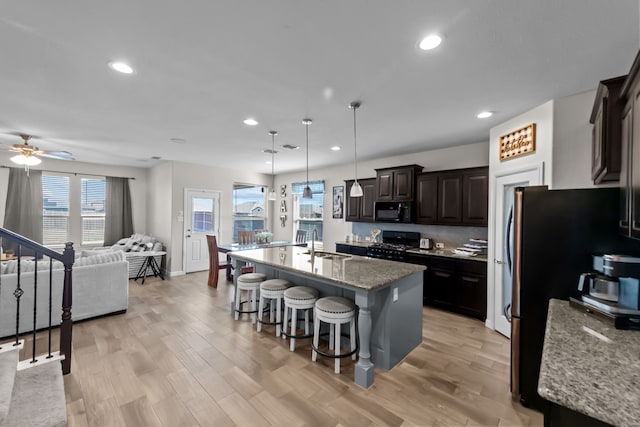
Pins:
x,y
290,147
270,151
156,158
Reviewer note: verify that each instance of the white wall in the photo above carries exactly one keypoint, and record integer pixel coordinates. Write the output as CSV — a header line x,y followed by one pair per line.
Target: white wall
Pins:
x,y
187,175
138,186
462,156
542,116
572,142
159,204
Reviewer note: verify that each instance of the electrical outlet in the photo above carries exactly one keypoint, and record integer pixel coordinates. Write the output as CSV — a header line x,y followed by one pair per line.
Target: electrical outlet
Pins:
x,y
440,245
395,294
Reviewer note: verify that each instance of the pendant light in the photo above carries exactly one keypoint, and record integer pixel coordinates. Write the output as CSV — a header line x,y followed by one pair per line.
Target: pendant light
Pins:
x,y
356,189
306,194
272,193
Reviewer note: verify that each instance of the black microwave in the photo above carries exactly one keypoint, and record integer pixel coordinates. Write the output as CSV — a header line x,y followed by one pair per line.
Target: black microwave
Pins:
x,y
393,212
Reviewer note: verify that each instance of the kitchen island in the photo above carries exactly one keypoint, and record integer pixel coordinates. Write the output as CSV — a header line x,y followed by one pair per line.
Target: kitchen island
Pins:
x,y
590,371
388,295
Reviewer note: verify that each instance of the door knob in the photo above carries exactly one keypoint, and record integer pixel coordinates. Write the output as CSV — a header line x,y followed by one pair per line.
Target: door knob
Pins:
x,y
188,235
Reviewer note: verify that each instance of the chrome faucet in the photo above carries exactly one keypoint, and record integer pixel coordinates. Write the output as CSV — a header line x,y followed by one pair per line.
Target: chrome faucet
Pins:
x,y
314,236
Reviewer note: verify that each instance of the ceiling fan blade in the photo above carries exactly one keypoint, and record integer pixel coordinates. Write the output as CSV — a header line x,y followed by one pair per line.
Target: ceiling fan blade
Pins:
x,y
7,147
61,155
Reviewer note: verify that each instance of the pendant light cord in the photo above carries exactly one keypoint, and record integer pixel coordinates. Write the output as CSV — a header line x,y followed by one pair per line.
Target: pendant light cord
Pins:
x,y
355,150
307,131
273,152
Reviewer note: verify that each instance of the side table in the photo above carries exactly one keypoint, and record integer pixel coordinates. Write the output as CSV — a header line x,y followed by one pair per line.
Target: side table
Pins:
x,y
149,263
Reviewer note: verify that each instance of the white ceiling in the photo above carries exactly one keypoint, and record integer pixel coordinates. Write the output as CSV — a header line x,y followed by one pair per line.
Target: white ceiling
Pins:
x,y
203,66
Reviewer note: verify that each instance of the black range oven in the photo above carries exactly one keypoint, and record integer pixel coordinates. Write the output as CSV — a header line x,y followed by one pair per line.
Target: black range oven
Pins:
x,y
394,245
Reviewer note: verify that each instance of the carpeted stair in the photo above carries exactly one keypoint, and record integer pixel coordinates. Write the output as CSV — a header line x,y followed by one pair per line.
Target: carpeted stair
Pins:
x,y
33,396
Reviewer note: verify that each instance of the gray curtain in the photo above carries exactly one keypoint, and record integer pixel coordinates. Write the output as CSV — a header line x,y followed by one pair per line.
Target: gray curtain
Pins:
x,y
23,214
118,219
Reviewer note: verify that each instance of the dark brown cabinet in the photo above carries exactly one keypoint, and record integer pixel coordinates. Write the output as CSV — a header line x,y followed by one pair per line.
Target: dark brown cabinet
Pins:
x,y
360,209
630,153
427,198
454,284
456,197
606,138
351,249
396,184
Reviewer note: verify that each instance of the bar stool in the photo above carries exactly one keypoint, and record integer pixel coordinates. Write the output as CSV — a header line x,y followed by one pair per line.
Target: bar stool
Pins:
x,y
272,289
335,311
249,282
298,298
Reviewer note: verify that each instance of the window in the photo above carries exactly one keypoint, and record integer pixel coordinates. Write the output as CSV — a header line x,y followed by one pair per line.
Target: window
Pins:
x,y
73,209
55,209
248,208
307,213
93,195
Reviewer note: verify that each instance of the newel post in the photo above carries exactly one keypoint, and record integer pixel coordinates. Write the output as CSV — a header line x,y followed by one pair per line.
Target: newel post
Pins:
x,y
68,257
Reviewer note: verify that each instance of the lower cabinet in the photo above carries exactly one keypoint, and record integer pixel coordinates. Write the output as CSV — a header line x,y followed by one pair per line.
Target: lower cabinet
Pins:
x,y
454,284
351,249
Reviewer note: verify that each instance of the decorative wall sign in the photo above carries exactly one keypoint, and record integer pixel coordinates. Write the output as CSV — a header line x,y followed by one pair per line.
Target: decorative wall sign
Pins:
x,y
518,142
283,190
338,201
283,220
283,206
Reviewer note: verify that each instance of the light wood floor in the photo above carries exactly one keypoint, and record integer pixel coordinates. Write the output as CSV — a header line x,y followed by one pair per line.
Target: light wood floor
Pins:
x,y
177,358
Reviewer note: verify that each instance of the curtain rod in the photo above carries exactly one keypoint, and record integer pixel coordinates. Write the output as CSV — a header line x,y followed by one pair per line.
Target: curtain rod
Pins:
x,y
74,173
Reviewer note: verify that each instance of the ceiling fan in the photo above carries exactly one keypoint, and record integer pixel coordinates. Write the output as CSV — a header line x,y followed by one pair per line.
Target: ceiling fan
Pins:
x,y
27,154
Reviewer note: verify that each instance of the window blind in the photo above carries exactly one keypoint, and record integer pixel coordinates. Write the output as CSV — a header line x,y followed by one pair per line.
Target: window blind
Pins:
x,y
55,209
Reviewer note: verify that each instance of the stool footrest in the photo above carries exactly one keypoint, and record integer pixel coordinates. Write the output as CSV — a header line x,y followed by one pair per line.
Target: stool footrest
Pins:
x,y
244,311
288,335
264,322
335,356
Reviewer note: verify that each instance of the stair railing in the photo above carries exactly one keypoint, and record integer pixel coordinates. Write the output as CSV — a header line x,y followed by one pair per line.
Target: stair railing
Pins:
x,y
67,258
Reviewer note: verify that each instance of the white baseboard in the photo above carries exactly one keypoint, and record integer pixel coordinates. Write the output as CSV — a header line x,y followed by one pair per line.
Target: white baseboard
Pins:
x,y
176,273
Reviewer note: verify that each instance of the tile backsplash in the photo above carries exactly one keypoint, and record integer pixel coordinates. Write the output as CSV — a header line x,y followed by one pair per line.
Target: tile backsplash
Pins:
x,y
451,236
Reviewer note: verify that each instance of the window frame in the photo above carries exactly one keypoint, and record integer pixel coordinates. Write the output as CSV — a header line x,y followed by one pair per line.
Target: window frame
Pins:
x,y
296,192
75,216
235,218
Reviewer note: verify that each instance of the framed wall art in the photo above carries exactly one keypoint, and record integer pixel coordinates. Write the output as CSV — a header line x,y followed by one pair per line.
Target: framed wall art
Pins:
x,y
338,201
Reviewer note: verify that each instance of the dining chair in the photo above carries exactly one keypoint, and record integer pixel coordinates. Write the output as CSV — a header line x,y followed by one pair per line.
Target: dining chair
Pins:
x,y
246,237
301,236
214,262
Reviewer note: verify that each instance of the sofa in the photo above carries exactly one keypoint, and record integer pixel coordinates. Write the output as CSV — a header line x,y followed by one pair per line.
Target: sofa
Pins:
x,y
100,286
136,243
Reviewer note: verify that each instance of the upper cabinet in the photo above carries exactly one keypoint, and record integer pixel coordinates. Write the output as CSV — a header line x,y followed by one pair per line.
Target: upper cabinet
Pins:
x,y
360,209
396,184
606,117
455,197
630,153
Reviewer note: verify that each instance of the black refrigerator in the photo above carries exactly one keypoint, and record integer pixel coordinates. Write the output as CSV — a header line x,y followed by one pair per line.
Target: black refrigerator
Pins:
x,y
552,238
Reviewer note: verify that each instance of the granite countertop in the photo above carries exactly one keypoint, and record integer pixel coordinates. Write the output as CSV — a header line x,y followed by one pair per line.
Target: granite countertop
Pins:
x,y
349,270
447,253
589,366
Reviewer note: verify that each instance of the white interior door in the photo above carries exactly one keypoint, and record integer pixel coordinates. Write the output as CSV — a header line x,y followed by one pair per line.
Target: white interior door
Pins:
x,y
201,217
503,238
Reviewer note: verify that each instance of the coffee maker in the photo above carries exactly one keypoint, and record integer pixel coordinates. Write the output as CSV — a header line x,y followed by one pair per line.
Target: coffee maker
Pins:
x,y
614,291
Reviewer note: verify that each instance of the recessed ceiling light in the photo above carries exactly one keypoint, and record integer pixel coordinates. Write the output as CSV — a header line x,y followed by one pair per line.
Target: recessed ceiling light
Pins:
x,y
485,114
430,42
336,148
250,122
121,67
268,162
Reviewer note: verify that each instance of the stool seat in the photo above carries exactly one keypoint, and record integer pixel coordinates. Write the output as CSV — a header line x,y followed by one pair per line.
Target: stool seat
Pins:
x,y
275,285
252,277
336,305
301,293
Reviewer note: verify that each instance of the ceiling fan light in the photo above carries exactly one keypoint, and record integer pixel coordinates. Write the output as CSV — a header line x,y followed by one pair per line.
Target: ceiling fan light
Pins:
x,y
356,190
306,194
23,160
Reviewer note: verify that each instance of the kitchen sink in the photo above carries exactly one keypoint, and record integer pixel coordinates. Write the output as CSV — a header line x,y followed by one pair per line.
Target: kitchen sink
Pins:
x,y
327,255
